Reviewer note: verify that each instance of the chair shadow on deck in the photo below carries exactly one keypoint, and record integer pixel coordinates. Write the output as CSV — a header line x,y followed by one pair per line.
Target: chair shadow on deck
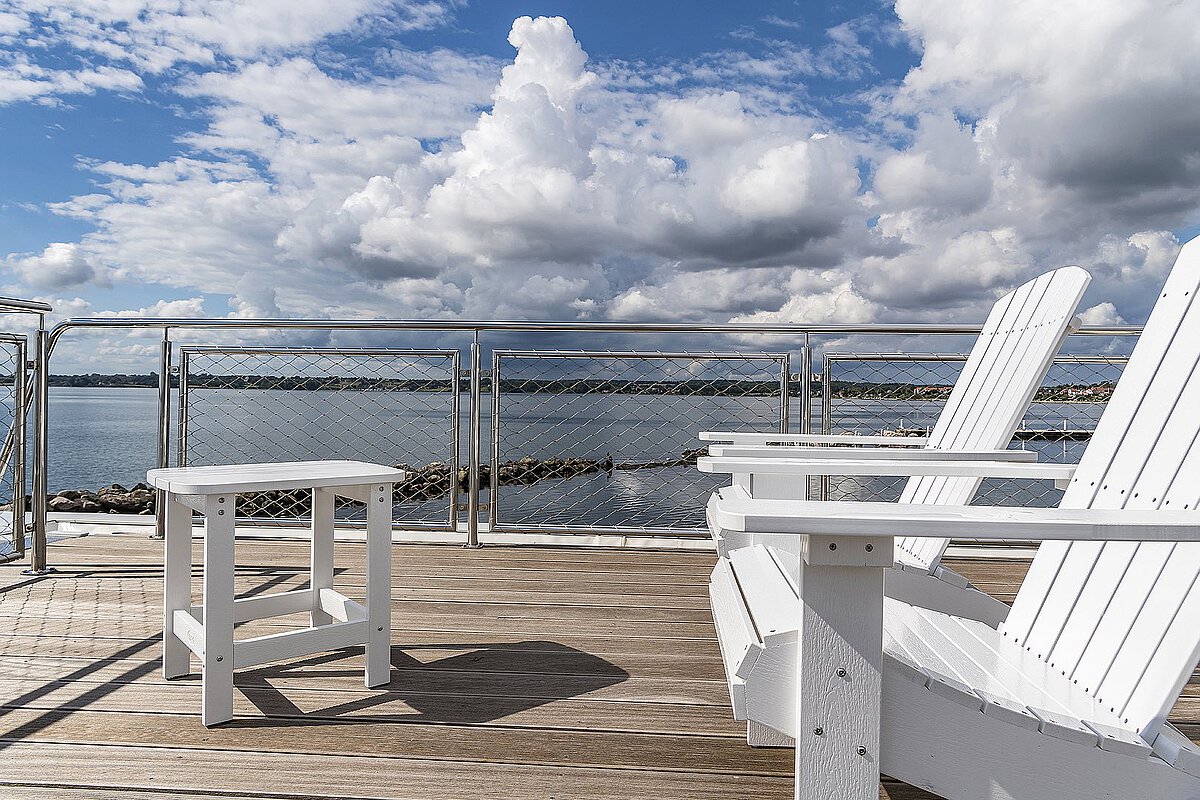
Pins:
x,y
478,683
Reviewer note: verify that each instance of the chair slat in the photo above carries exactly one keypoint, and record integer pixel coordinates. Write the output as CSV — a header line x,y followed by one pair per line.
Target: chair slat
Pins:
x,y
766,590
1119,618
1105,610
1010,358
1160,650
1055,557
977,388
1001,376
977,661
1140,472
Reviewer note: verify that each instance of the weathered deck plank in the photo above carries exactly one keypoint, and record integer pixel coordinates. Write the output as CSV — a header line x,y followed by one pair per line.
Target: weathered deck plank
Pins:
x,y
535,672
165,770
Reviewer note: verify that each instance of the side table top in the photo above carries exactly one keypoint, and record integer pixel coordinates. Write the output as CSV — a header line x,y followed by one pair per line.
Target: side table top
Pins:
x,y
261,477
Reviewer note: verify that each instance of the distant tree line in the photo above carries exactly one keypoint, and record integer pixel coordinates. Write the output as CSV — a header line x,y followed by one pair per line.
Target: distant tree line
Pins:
x,y
119,380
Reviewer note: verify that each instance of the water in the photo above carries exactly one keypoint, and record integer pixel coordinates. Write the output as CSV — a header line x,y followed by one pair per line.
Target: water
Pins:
x,y
100,436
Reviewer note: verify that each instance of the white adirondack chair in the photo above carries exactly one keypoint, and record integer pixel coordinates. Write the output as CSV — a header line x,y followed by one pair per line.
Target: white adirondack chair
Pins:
x,y
1007,364
1069,698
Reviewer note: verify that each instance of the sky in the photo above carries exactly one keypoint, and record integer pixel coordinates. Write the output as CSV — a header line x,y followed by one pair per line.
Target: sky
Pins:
x,y
760,161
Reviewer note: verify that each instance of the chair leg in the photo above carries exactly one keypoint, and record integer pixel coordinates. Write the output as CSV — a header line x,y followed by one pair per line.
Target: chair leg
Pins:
x,y
322,553
759,735
379,585
839,668
177,586
218,610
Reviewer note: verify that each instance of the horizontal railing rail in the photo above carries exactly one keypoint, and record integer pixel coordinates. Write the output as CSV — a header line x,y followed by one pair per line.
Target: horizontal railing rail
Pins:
x,y
795,329
13,304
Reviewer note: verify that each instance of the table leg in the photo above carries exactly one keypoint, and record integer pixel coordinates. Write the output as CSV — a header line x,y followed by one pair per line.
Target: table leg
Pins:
x,y
177,584
840,667
379,585
218,609
322,553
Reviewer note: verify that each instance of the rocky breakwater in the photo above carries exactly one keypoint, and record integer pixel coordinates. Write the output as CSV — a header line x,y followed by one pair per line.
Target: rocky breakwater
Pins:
x,y
429,482
115,499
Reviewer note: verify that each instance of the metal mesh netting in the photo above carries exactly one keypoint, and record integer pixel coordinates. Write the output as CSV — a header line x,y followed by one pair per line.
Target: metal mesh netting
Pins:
x,y
903,395
394,407
10,366
605,440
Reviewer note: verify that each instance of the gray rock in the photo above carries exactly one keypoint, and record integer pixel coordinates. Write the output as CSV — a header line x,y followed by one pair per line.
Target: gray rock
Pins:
x,y
60,503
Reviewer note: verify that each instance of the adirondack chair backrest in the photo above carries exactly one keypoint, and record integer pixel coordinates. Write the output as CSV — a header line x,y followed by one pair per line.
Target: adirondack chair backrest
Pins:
x,y
1123,619
1006,366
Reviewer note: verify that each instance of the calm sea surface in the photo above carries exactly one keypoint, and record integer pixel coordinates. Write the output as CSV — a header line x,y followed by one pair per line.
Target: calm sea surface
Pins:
x,y
104,436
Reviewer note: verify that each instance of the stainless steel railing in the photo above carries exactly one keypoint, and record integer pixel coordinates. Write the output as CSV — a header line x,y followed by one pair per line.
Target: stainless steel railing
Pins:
x,y
15,448
374,404
802,340
643,409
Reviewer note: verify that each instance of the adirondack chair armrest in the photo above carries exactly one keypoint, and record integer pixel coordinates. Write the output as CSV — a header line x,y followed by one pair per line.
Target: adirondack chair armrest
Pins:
x,y
1059,473
788,439
767,452
736,511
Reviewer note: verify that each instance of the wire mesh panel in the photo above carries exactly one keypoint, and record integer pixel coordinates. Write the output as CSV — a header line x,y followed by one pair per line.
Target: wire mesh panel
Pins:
x,y
394,407
604,440
903,395
12,449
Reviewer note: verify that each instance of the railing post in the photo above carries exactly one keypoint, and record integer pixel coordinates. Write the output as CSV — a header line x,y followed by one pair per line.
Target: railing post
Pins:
x,y
181,446
473,448
806,407
164,432
785,394
493,505
806,387
826,411
37,559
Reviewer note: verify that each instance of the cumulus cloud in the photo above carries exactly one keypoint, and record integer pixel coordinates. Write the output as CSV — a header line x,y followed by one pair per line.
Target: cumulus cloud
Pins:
x,y
552,185
701,296
187,307
1110,118
1078,146
115,42
62,265
1101,314
828,297
550,180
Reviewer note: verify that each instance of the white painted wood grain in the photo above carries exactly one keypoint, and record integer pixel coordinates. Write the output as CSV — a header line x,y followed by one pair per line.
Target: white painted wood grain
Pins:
x,y
280,475
217,692
986,523
379,588
177,585
321,553
839,673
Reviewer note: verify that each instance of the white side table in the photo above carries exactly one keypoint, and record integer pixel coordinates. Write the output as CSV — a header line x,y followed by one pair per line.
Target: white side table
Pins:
x,y
337,621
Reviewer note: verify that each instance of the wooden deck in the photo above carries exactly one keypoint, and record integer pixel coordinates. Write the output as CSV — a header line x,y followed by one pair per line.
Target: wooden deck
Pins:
x,y
518,672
